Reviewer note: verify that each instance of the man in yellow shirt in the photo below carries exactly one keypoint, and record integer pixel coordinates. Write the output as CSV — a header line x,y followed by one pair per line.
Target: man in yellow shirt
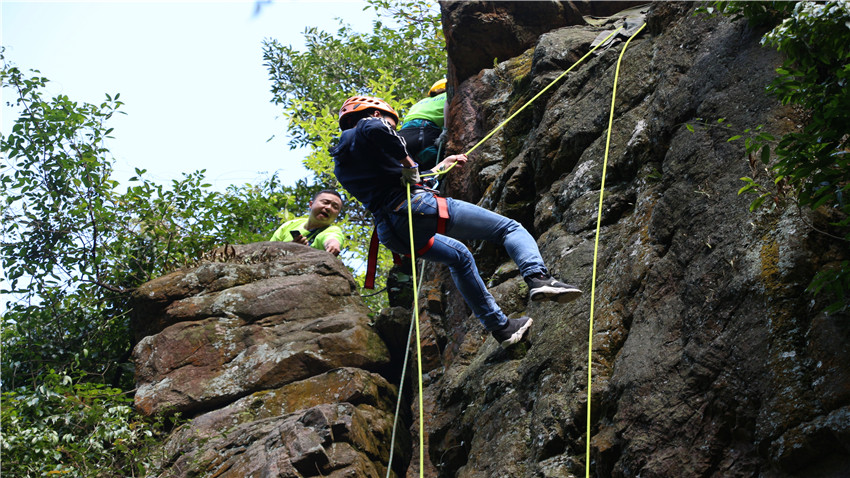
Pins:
x,y
316,229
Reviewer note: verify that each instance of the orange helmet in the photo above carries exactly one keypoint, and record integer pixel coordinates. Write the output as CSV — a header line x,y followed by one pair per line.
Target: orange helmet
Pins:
x,y
362,103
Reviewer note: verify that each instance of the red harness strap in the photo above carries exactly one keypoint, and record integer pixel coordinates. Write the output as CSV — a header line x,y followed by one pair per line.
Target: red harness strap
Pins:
x,y
372,261
442,217
442,214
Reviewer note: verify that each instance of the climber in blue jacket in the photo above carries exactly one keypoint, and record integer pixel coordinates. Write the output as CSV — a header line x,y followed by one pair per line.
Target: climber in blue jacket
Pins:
x,y
372,164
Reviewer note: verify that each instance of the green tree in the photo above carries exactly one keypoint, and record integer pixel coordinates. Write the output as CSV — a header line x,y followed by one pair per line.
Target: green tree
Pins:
x,y
58,198
404,52
815,74
398,61
73,246
74,429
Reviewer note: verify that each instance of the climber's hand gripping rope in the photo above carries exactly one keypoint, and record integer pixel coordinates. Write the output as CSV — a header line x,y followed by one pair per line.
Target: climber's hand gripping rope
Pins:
x,y
446,165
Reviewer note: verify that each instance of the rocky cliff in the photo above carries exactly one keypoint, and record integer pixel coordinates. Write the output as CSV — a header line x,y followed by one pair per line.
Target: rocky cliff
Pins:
x,y
270,352
710,358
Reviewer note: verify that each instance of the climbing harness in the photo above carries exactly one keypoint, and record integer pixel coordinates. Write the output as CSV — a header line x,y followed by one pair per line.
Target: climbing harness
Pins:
x,y
374,243
596,249
414,252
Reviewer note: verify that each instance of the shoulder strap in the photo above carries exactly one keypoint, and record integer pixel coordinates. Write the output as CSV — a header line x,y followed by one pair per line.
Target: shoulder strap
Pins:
x,y
311,235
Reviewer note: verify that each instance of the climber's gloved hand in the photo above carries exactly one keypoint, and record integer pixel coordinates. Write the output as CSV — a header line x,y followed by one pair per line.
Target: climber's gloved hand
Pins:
x,y
410,175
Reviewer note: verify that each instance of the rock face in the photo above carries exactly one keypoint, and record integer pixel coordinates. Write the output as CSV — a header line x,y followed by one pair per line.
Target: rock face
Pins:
x,y
709,356
270,350
479,32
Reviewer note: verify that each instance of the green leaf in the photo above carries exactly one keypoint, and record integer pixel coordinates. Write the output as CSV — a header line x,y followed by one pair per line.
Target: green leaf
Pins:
x,y
758,202
765,154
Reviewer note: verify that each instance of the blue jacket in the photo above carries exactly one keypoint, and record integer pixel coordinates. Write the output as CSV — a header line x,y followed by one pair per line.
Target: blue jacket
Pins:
x,y
368,164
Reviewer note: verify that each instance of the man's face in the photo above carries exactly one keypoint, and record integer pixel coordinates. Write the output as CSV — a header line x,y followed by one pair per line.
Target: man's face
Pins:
x,y
325,208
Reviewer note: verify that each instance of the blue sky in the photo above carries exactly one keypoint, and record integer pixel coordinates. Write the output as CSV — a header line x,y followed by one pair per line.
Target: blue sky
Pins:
x,y
190,74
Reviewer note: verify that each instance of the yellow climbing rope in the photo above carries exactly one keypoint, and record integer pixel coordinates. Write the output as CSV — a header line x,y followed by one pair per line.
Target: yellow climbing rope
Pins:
x,y
503,123
413,256
401,381
596,249
418,343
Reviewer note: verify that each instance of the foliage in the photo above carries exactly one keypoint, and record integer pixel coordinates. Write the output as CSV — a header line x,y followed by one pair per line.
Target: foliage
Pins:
x,y
74,429
757,144
61,181
406,44
758,14
814,75
397,61
57,199
836,281
73,245
813,163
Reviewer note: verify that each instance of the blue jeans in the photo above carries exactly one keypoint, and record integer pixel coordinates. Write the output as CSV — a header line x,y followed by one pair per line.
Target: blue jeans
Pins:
x,y
466,222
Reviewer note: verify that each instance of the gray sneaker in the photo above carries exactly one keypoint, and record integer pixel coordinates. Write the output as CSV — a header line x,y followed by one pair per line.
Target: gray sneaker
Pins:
x,y
512,332
542,286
